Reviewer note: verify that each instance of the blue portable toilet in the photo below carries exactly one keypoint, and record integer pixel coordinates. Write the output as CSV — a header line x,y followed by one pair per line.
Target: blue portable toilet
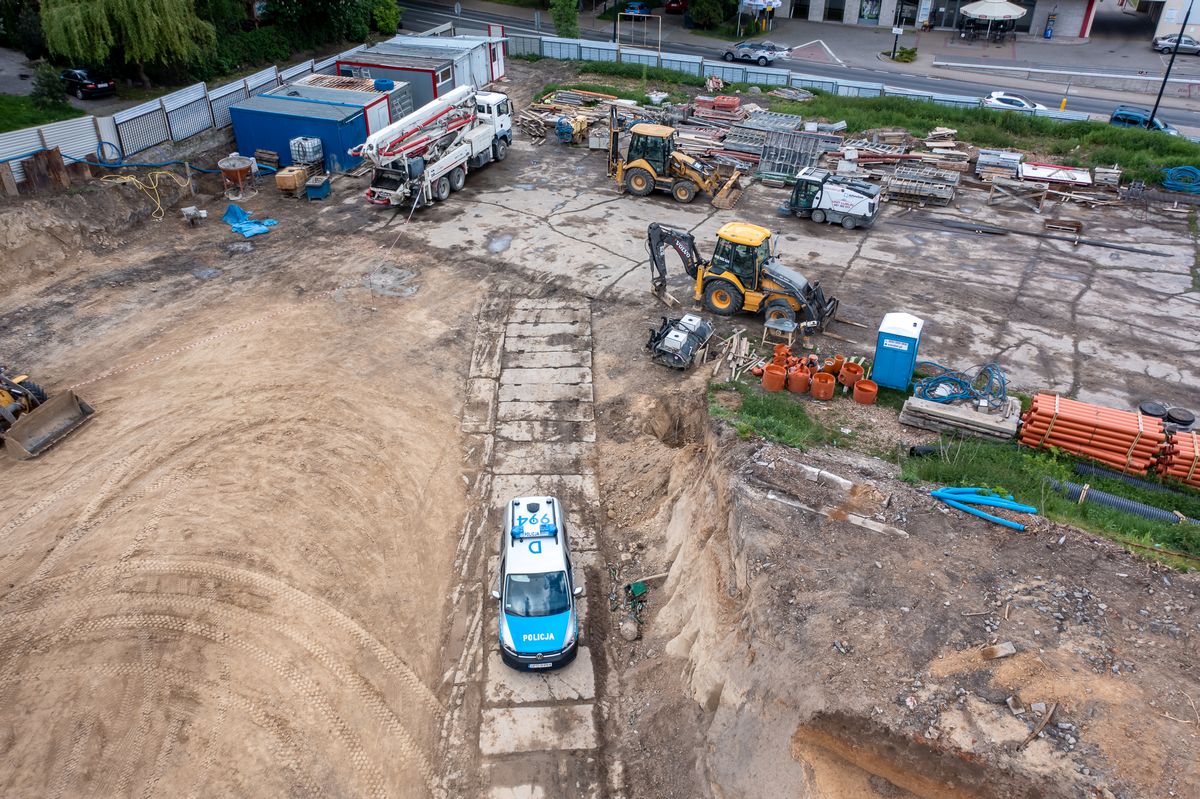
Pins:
x,y
896,350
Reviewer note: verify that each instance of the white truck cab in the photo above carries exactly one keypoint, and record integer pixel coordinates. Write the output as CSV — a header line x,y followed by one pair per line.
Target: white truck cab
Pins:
x,y
539,624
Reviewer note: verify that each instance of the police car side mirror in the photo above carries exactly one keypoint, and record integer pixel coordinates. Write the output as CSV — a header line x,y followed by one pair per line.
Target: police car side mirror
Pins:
x,y
578,590
495,595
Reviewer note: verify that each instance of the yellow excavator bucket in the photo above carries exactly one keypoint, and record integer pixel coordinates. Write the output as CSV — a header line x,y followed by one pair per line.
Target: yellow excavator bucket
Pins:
x,y
46,425
729,194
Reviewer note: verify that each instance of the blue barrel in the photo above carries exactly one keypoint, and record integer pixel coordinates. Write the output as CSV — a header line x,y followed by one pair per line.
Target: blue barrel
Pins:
x,y
384,85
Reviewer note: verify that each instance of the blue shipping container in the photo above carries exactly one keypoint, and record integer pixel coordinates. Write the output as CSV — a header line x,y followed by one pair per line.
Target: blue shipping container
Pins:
x,y
264,122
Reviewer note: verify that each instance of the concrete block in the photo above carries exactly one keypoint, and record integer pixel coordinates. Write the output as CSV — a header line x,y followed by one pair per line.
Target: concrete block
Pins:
x,y
549,431
546,375
546,392
572,683
559,343
520,457
580,305
537,316
578,493
542,411
546,358
519,329
486,353
479,409
534,729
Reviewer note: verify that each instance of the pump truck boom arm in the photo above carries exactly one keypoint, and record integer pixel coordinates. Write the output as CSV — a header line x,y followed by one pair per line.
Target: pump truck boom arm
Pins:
x,y
411,134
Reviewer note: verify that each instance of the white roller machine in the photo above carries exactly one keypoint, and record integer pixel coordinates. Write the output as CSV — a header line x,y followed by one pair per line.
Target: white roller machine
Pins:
x,y
426,155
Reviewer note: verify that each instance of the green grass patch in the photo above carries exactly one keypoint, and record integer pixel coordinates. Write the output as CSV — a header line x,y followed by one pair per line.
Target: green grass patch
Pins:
x,y
639,72
778,417
530,57
1141,154
18,112
636,95
1021,471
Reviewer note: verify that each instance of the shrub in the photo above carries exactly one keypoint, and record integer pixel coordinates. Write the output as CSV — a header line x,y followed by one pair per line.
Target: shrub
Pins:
x,y
48,93
385,16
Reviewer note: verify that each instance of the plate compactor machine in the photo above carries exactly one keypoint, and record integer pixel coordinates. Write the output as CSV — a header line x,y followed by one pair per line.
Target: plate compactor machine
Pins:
x,y
743,275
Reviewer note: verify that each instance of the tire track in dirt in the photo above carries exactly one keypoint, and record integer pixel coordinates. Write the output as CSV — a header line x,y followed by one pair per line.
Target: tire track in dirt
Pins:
x,y
82,731
174,728
282,745
210,746
228,615
153,692
368,772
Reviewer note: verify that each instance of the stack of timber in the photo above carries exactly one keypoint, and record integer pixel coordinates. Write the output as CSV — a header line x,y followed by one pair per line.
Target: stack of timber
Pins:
x,y
1128,441
962,420
1107,177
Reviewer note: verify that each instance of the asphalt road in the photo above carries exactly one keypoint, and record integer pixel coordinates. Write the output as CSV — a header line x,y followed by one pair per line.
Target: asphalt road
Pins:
x,y
421,16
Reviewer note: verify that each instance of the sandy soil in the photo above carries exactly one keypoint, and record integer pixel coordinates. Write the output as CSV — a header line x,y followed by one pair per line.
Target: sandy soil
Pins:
x,y
230,581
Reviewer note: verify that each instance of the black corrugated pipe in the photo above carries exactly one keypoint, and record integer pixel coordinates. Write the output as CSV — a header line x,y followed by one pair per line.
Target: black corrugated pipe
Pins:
x,y
1104,499
1097,471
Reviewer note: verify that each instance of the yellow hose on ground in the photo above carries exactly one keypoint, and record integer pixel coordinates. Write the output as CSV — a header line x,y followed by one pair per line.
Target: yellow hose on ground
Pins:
x,y
149,187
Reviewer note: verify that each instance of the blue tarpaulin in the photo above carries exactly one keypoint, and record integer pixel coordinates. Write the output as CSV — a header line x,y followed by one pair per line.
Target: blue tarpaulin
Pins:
x,y
239,221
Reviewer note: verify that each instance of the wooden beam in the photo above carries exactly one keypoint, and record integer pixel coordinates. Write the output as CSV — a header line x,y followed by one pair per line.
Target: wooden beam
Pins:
x,y
8,180
57,168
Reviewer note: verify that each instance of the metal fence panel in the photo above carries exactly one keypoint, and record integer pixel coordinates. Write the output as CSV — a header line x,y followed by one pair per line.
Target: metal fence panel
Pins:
x,y
1062,116
598,51
141,127
75,137
767,76
565,49
326,67
19,142
523,45
220,100
259,82
691,64
726,72
813,82
108,133
647,58
853,88
187,112
297,71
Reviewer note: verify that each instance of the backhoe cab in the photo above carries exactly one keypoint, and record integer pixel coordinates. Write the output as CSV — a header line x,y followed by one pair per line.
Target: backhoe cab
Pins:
x,y
743,275
653,163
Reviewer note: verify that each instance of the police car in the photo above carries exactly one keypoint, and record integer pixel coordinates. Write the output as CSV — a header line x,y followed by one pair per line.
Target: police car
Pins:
x,y
539,626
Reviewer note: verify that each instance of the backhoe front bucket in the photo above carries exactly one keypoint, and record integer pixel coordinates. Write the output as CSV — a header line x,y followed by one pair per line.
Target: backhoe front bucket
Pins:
x,y
729,194
46,425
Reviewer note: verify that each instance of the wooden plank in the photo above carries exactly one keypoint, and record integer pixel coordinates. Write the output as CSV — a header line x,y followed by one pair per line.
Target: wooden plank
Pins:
x,y
57,168
8,180
37,174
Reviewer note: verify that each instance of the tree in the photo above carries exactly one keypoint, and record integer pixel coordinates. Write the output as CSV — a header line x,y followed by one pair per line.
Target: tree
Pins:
x,y
385,16
139,32
565,14
707,13
48,90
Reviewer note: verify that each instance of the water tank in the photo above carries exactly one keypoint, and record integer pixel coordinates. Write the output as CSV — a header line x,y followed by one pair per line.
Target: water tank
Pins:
x,y
384,85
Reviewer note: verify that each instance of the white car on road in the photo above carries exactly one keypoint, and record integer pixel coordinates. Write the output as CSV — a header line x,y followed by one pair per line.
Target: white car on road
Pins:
x,y
1006,101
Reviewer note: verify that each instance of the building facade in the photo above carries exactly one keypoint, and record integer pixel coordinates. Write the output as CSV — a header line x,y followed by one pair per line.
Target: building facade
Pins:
x,y
1169,16
1072,18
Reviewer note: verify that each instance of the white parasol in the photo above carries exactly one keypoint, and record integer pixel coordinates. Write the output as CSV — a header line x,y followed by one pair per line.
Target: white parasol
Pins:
x,y
992,10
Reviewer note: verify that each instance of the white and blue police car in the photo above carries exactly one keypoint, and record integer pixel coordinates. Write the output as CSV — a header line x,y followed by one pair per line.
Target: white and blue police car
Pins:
x,y
539,626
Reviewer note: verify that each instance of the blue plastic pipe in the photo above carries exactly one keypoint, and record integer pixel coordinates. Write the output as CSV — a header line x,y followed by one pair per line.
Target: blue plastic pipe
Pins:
x,y
981,514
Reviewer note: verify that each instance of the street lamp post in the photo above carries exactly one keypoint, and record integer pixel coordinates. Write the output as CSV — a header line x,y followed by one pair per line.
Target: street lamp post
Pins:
x,y
1174,52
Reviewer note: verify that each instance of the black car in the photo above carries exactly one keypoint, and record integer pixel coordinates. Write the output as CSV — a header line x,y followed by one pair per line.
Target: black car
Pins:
x,y
86,84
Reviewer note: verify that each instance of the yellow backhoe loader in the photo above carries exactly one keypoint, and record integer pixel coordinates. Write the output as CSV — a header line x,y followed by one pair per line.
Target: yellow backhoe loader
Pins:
x,y
31,422
653,162
743,275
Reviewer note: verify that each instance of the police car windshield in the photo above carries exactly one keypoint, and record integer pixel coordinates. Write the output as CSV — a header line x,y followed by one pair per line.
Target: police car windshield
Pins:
x,y
537,594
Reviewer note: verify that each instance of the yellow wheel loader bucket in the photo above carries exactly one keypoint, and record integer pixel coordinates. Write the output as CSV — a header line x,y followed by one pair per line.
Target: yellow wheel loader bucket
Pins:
x,y
729,194
46,425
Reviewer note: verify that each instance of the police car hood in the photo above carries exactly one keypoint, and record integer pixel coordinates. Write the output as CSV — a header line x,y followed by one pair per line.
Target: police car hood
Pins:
x,y
533,634
786,276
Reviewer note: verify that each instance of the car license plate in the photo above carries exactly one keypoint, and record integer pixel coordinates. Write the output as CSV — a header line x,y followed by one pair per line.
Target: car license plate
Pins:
x,y
540,665
101,85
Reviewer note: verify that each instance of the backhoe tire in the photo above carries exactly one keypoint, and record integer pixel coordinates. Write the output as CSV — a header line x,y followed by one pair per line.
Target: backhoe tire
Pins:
x,y
818,216
639,182
499,150
34,389
779,309
849,223
723,298
441,189
458,178
684,191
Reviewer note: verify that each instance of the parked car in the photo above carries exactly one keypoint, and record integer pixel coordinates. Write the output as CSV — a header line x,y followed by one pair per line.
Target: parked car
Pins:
x,y
86,83
675,6
1129,116
1011,102
761,52
1187,45
637,8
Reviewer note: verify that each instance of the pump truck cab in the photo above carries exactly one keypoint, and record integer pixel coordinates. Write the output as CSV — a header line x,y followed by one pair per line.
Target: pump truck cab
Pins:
x,y
743,275
824,197
539,621
653,163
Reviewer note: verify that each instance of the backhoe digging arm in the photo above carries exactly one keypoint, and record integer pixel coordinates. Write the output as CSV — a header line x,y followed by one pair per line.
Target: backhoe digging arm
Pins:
x,y
658,238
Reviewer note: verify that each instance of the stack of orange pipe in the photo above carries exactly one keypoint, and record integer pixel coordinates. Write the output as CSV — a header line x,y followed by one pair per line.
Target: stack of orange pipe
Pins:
x,y
1183,462
1131,442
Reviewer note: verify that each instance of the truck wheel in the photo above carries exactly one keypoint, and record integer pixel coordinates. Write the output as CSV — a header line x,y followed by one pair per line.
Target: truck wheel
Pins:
x,y
639,182
722,298
849,223
499,150
818,216
684,191
780,308
458,178
441,189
